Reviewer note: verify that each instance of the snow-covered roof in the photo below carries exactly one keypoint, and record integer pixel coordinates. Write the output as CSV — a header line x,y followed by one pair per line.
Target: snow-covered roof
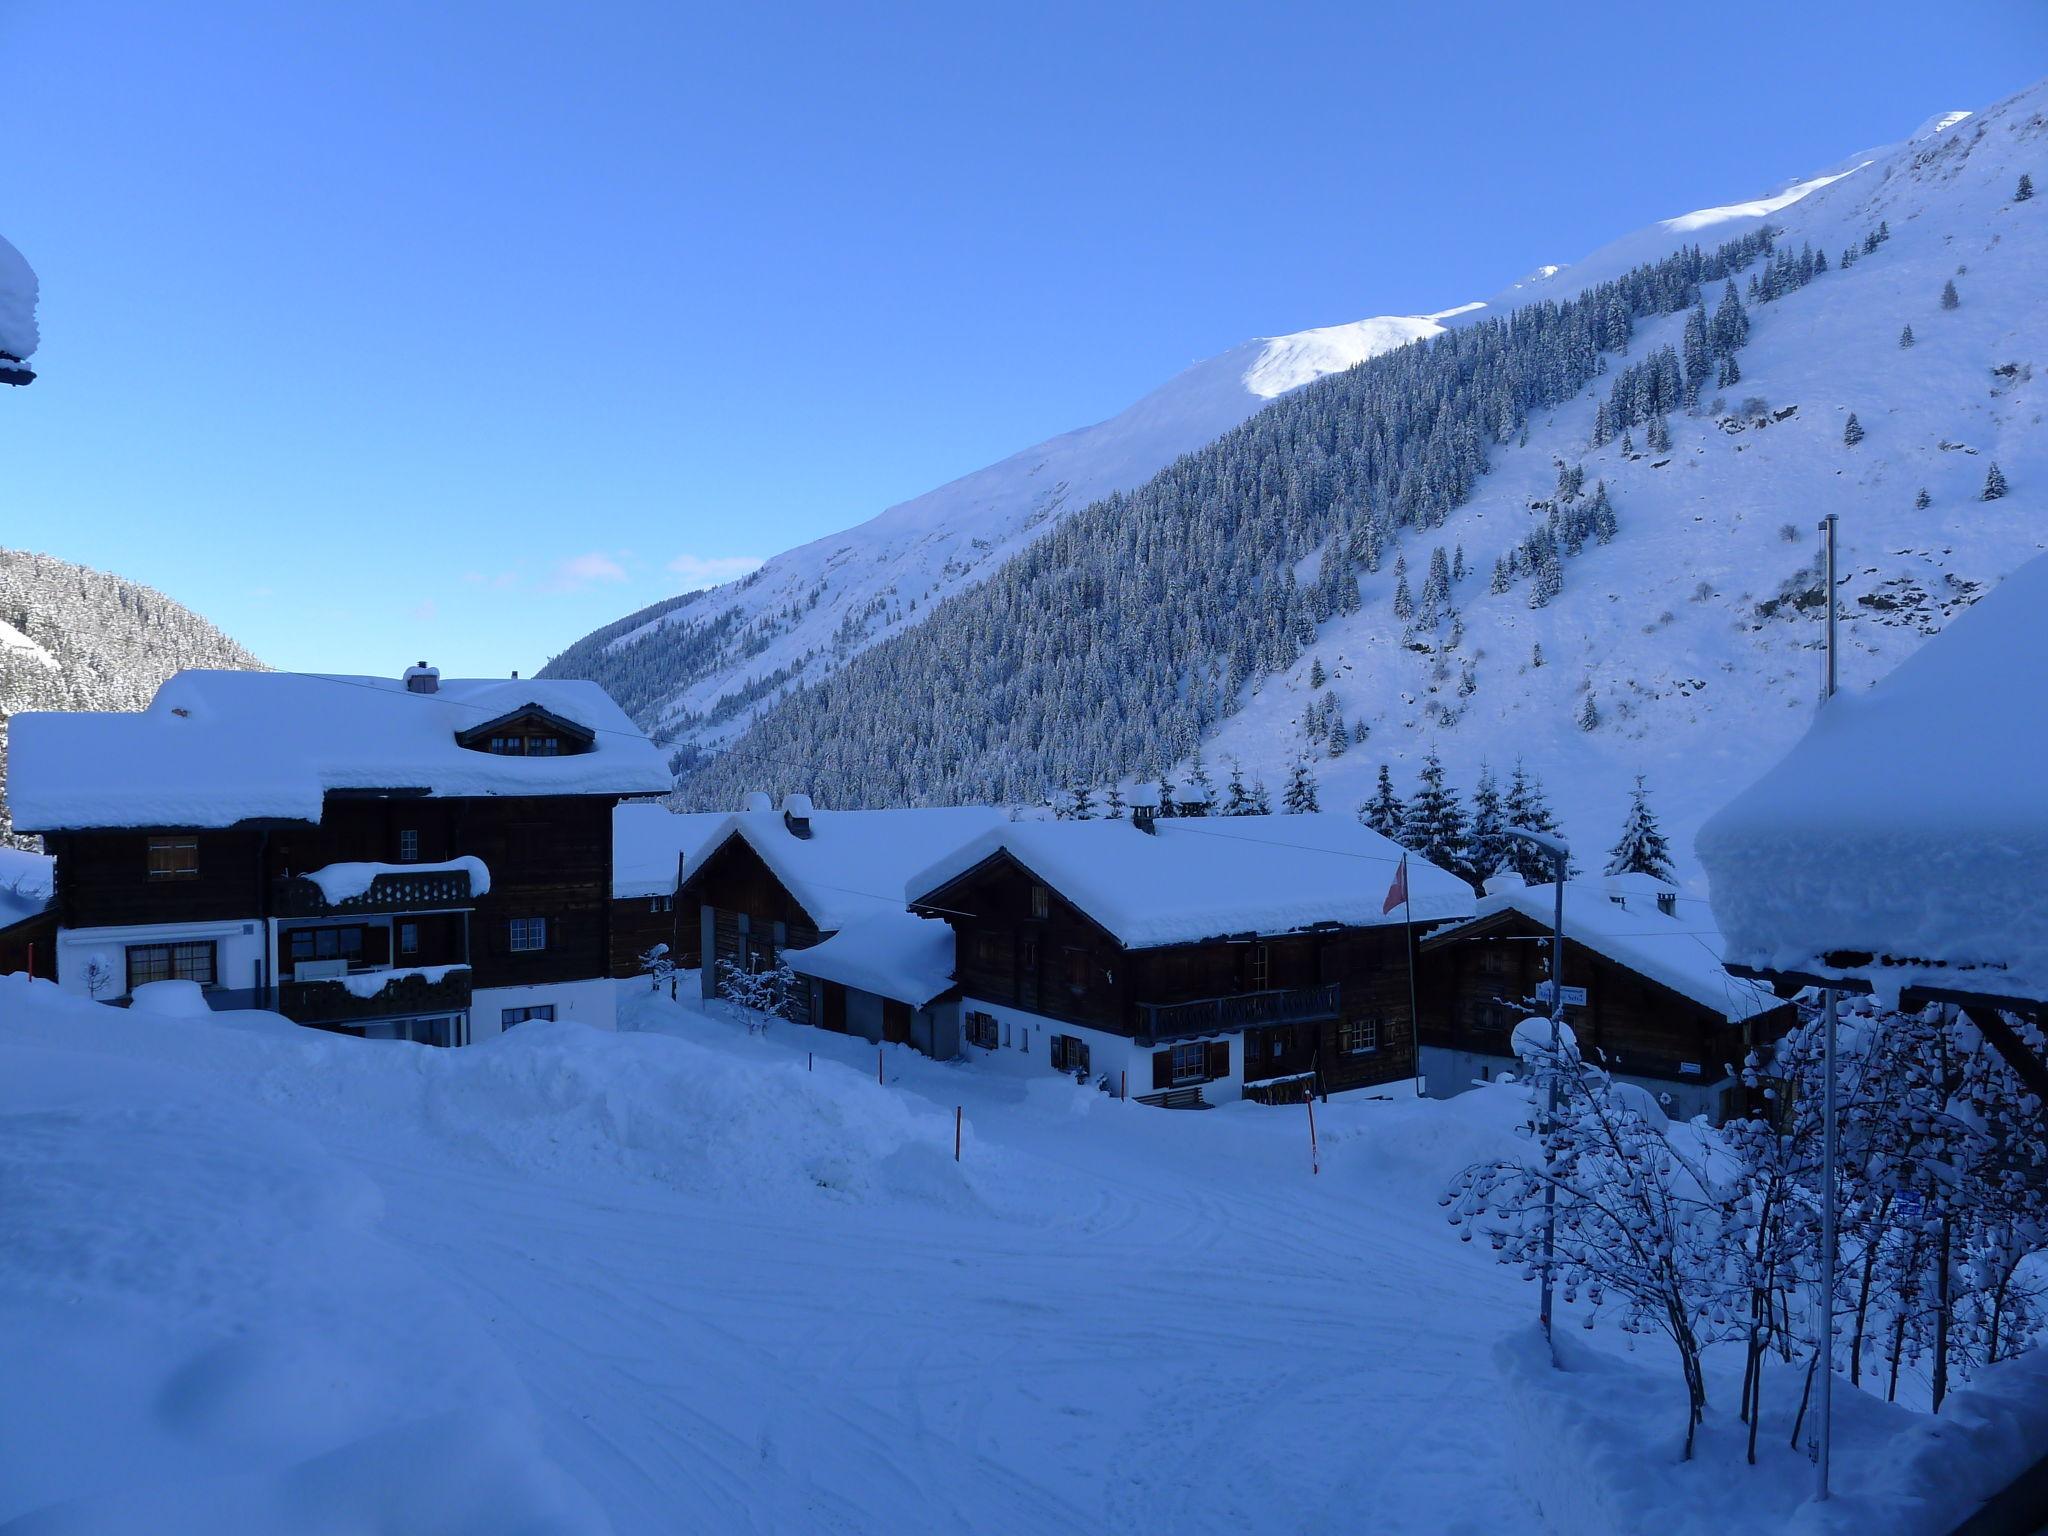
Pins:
x,y
1196,878
17,303
27,885
1682,952
648,844
891,954
1910,824
854,863
215,748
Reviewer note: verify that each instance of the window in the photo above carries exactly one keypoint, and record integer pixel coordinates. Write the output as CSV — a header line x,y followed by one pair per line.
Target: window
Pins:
x,y
408,938
981,1031
992,950
1069,1054
510,1016
1041,901
661,903
1262,967
1191,1063
529,933
1356,1037
191,960
409,846
174,858
527,746
326,944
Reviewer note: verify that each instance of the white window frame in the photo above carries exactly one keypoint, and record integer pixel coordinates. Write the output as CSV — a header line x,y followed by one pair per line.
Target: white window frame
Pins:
x,y
527,935
408,845
1351,1031
1201,1059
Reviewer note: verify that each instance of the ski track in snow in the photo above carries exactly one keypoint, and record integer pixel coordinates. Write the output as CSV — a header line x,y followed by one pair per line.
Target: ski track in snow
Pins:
x,y
1172,1352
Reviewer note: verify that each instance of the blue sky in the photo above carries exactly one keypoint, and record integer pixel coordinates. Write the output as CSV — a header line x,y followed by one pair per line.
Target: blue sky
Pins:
x,y
391,330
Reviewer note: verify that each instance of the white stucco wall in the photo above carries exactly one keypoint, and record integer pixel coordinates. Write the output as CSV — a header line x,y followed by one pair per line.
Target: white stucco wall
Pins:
x,y
1026,1050
238,956
593,1002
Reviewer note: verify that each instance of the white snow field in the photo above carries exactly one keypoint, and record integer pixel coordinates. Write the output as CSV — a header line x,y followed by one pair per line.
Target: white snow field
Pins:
x,y
684,1278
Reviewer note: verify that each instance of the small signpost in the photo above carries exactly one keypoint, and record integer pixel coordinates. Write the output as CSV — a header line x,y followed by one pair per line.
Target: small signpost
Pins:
x,y
1574,997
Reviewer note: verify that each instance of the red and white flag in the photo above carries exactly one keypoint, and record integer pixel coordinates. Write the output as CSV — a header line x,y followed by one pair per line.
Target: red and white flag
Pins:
x,y
1397,893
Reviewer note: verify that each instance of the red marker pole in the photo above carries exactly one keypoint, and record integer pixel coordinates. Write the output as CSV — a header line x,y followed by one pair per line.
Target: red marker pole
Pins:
x,y
1123,1083
878,1065
956,1133
1315,1161
810,1057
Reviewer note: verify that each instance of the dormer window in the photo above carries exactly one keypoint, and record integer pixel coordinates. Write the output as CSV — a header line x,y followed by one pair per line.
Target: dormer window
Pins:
x,y
528,732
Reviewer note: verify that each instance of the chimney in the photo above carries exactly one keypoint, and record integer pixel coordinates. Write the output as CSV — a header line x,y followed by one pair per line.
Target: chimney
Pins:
x,y
1145,818
422,678
1667,903
755,802
796,814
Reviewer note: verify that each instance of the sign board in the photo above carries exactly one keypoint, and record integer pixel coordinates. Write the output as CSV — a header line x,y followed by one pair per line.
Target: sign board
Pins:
x,y
1574,997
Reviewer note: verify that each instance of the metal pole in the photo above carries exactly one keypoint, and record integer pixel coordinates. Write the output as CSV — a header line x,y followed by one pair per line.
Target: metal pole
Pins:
x,y
1824,1345
1550,1102
1408,940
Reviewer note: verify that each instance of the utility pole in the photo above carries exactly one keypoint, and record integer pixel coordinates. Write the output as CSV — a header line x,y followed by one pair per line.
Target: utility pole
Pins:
x,y
1830,1148
1561,856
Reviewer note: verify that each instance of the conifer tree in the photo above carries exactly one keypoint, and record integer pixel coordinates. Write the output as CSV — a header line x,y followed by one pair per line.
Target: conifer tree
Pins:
x,y
1852,431
1262,802
1433,825
1201,788
1404,604
1083,808
1237,800
1923,500
1949,297
1299,798
1643,849
1113,806
1994,484
1536,654
1166,807
1340,738
1526,806
2025,189
1906,337
1588,718
1383,811
1316,675
1486,848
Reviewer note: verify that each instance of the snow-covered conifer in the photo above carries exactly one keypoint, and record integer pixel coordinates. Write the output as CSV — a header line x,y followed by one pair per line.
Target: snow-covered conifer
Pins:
x,y
1383,811
1588,717
1433,823
2025,189
1906,336
1852,431
1300,795
1994,483
1949,297
1643,848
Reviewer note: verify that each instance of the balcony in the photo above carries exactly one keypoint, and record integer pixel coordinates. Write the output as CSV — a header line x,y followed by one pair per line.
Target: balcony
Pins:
x,y
1221,1015
423,890
345,1000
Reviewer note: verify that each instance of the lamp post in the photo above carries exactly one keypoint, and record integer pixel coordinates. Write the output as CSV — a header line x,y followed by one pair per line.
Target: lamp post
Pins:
x,y
1561,858
1830,1133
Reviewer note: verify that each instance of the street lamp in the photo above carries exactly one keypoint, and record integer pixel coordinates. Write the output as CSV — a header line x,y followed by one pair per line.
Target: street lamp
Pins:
x,y
1561,857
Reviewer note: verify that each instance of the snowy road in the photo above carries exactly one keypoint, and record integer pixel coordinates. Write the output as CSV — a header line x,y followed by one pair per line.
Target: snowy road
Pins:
x,y
1189,1333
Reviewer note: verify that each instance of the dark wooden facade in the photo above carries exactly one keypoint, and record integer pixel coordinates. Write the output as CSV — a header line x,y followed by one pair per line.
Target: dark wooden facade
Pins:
x,y
1472,976
549,857
1303,1002
752,915
30,946
641,922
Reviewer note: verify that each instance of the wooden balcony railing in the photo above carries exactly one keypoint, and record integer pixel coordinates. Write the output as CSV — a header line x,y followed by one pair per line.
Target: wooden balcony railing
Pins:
x,y
1219,1015
421,891
331,1002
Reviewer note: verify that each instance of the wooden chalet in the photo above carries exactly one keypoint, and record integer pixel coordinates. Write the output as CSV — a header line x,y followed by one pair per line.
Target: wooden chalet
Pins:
x,y
1644,992
649,844
391,858
1898,849
770,882
1188,961
28,914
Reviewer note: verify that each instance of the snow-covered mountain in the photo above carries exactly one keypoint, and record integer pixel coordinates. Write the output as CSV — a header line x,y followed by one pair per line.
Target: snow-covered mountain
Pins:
x,y
1691,631
75,638
697,672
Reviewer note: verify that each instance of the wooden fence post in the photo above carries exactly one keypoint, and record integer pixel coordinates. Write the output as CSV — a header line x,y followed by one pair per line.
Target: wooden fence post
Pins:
x,y
956,1133
1315,1160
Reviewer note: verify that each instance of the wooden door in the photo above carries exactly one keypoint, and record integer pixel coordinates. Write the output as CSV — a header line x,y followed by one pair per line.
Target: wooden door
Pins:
x,y
895,1022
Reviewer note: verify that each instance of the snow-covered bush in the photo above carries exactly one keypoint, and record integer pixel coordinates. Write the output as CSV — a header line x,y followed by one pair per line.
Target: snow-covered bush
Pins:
x,y
762,994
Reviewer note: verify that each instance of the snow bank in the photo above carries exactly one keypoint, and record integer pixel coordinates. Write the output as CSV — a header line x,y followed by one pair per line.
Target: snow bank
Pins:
x,y
208,1332
27,883
223,747
1909,824
170,999
370,983
345,882
17,303
1196,878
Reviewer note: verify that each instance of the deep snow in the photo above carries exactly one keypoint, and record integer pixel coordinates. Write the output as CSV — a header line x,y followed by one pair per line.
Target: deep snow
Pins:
x,y
688,1278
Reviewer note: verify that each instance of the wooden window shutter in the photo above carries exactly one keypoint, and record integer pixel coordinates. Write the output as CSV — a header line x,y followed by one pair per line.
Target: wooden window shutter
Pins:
x,y
1219,1059
1162,1068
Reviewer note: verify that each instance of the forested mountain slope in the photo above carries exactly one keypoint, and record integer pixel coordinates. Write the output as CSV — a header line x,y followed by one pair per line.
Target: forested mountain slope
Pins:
x,y
75,638
1197,609
696,672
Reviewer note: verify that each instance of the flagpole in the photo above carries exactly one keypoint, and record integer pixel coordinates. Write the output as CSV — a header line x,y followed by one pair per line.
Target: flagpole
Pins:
x,y
1414,1013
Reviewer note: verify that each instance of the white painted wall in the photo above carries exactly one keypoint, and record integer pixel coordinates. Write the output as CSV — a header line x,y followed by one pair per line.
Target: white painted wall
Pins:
x,y
238,958
1027,1050
1447,1073
593,1002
